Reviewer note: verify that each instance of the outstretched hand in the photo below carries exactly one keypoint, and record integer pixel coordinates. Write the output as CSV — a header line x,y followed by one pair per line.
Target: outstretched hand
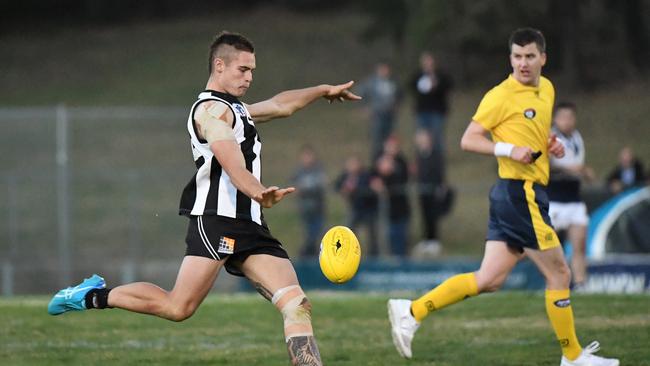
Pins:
x,y
272,195
341,93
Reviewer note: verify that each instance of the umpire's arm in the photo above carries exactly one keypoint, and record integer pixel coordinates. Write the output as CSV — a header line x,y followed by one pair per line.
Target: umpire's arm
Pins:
x,y
475,140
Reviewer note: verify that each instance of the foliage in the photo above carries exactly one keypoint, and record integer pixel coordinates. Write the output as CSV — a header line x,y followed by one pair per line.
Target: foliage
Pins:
x,y
590,42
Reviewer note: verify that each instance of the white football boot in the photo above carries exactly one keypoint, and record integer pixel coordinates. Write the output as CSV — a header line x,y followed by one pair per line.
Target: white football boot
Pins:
x,y
403,325
587,358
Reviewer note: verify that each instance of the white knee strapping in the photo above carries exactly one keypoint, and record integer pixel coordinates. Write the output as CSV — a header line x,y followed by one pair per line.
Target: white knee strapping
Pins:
x,y
279,293
295,313
297,317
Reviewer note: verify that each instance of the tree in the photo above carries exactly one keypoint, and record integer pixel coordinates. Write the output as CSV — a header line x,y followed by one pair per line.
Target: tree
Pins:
x,y
589,42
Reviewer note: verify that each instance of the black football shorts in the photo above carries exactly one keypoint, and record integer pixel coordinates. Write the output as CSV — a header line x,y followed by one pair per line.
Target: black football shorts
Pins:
x,y
220,237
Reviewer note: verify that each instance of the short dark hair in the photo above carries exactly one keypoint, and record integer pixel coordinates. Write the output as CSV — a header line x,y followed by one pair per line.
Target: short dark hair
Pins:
x,y
565,105
235,40
524,36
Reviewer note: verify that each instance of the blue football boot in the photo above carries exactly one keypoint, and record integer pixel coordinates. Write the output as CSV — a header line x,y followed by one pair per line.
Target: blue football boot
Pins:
x,y
73,298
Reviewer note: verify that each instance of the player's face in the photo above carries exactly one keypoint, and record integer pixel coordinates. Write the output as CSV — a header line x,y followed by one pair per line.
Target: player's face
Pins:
x,y
527,62
565,120
237,74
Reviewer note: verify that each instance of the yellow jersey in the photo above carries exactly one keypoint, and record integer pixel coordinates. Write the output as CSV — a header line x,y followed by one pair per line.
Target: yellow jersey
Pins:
x,y
520,115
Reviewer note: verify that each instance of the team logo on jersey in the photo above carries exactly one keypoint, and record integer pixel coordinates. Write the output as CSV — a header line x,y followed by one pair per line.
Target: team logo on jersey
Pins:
x,y
226,245
530,113
240,109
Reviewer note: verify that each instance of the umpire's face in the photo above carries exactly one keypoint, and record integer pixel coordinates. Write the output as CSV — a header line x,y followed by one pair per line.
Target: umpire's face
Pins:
x,y
236,73
527,62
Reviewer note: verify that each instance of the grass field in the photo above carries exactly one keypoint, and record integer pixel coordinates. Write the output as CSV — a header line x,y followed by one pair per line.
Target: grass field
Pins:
x,y
508,328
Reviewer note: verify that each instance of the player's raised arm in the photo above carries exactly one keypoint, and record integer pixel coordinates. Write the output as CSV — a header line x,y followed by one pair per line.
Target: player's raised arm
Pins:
x,y
288,102
475,140
213,124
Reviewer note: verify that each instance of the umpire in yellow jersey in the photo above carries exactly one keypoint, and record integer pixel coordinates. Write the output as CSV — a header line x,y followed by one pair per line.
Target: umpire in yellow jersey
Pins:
x,y
517,113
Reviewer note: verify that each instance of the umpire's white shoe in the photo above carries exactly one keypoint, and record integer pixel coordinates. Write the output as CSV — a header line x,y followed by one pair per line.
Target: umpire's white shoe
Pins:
x,y
403,325
587,358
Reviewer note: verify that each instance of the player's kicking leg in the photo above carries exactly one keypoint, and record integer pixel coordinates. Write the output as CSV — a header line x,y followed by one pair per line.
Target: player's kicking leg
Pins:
x,y
552,265
195,279
405,316
276,280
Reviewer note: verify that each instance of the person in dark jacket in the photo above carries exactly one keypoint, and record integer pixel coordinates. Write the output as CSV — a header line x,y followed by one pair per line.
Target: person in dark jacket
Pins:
x,y
628,173
432,192
358,186
310,181
392,168
431,88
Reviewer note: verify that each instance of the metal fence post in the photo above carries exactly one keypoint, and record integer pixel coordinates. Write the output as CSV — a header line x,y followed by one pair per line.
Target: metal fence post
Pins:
x,y
12,226
63,199
130,268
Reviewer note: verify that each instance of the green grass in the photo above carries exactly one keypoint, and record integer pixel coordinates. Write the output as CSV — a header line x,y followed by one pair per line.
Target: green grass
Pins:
x,y
508,328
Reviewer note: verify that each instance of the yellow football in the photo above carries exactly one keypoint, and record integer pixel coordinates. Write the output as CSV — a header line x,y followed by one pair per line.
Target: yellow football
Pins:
x,y
340,254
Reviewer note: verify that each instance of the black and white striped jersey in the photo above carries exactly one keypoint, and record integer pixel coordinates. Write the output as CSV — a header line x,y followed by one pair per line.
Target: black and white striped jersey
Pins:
x,y
562,186
210,191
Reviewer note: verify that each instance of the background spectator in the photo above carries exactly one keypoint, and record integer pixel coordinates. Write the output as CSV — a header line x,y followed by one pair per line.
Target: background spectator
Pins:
x,y
628,173
393,171
381,95
310,181
567,210
356,184
431,88
431,190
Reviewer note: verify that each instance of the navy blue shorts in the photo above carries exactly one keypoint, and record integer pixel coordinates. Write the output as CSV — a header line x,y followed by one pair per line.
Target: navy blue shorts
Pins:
x,y
519,215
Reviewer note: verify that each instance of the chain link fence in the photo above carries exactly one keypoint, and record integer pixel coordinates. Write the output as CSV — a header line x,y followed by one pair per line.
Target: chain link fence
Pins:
x,y
77,183
95,190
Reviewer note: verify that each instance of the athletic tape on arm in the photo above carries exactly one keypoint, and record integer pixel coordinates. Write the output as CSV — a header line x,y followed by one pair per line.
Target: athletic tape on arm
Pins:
x,y
212,124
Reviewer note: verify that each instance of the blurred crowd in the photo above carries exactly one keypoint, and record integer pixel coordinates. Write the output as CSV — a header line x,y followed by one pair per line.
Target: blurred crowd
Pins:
x,y
379,190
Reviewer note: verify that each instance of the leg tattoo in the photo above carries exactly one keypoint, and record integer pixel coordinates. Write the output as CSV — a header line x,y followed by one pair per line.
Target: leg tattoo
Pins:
x,y
263,291
303,351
